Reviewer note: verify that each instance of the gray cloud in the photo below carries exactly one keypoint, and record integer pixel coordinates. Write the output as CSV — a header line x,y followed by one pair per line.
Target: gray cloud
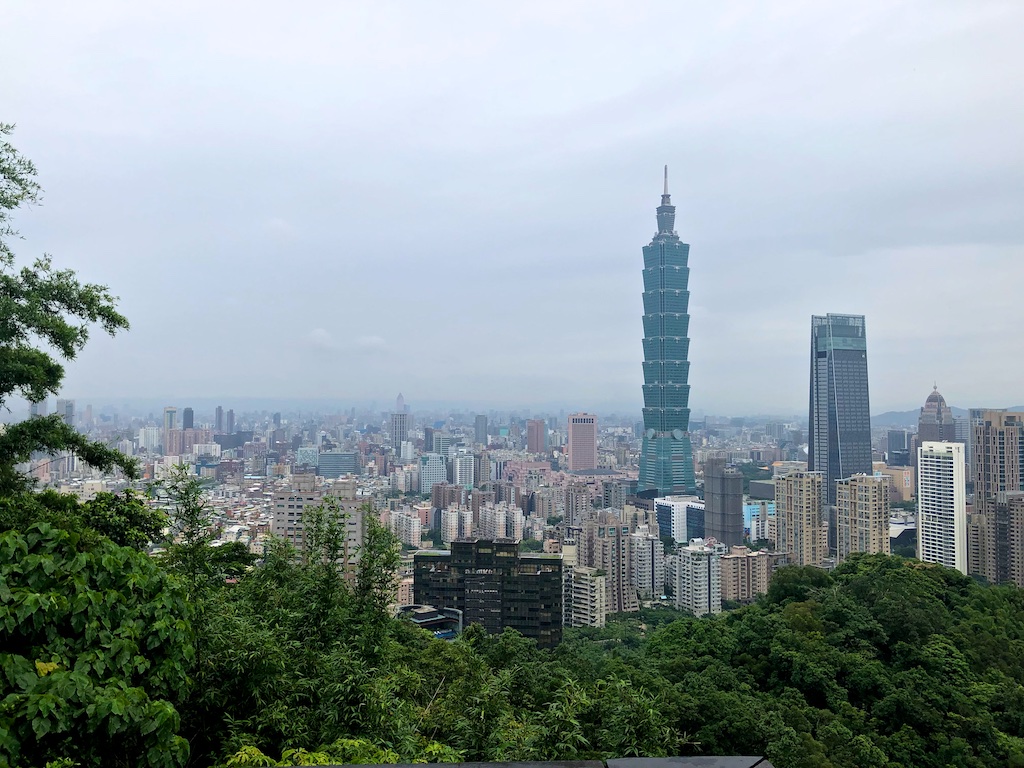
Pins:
x,y
474,184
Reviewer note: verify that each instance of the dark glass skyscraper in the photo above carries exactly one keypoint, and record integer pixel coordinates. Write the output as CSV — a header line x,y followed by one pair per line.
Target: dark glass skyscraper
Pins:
x,y
666,459
839,440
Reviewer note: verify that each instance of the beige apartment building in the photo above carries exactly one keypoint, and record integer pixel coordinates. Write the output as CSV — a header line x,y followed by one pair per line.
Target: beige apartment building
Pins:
x,y
862,515
605,545
995,538
698,578
584,604
798,508
902,483
981,543
995,454
995,525
745,574
304,492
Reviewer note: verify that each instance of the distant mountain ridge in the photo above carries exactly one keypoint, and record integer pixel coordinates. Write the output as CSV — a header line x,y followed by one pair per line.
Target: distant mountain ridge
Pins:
x,y
909,418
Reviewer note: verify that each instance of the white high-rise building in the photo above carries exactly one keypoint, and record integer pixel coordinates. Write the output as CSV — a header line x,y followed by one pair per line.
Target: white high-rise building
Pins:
x,y
500,521
408,452
493,521
698,578
149,439
405,479
647,562
407,527
673,509
433,470
449,525
462,469
942,505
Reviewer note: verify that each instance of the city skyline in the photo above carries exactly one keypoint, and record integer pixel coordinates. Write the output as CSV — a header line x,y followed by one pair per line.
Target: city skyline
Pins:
x,y
867,151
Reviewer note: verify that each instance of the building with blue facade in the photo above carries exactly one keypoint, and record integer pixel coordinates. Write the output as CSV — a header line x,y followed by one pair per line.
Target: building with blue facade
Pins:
x,y
666,459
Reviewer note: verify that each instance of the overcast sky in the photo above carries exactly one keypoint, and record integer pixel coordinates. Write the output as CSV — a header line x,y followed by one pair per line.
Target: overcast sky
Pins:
x,y
449,199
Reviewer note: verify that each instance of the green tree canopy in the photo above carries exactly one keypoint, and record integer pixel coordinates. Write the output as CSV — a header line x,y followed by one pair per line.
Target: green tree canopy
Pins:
x,y
45,317
95,646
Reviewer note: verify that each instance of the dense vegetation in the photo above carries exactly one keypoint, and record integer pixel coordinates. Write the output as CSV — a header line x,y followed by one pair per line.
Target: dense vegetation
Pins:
x,y
110,657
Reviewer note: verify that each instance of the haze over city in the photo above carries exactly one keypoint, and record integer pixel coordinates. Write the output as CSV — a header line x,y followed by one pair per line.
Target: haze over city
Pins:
x,y
450,200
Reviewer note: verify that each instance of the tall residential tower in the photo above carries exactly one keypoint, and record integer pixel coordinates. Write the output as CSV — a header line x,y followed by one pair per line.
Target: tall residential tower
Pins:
x,y
666,459
941,505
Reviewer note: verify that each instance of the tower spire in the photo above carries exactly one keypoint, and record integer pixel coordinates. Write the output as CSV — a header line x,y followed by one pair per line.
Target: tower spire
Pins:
x,y
666,211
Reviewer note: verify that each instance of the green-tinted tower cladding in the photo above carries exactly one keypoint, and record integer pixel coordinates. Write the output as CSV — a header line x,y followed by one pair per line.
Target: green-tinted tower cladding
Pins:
x,y
666,459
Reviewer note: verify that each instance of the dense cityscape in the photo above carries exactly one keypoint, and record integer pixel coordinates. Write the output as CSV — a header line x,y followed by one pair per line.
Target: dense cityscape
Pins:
x,y
355,420
602,515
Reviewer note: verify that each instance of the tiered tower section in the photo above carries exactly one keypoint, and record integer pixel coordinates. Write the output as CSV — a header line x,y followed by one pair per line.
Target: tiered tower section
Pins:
x,y
666,459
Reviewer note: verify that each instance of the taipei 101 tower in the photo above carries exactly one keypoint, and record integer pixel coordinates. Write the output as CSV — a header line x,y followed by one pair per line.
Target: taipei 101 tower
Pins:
x,y
666,459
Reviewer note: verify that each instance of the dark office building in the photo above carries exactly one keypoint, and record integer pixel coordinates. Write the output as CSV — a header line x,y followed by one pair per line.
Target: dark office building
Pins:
x,y
898,440
230,426
723,503
188,419
897,452
218,420
694,522
666,456
839,438
480,429
494,586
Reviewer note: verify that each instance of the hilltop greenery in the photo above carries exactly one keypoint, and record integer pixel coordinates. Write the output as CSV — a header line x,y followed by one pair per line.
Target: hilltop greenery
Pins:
x,y
886,662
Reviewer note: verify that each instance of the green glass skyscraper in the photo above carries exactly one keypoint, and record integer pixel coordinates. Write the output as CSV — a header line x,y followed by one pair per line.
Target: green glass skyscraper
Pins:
x,y
666,458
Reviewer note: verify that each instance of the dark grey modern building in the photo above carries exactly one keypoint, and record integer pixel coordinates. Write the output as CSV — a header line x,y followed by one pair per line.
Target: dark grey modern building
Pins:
x,y
666,458
839,436
897,440
398,427
480,429
494,585
335,464
723,503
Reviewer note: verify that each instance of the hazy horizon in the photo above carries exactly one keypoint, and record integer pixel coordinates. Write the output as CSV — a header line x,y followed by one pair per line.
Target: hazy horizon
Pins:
x,y
450,200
